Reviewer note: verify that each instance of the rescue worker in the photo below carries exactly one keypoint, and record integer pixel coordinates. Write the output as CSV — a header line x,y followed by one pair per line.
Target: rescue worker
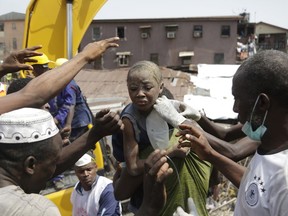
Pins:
x,y
69,107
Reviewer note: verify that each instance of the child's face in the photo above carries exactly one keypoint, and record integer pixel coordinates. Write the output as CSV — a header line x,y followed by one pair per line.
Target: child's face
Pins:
x,y
143,90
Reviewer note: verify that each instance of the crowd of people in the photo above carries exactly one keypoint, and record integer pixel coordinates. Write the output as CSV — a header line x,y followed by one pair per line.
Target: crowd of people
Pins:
x,y
162,173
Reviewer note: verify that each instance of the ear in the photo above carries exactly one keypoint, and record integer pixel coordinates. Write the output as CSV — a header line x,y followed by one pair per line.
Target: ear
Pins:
x,y
264,102
30,165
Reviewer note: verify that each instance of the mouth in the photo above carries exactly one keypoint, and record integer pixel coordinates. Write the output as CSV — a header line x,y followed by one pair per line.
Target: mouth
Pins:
x,y
87,180
141,103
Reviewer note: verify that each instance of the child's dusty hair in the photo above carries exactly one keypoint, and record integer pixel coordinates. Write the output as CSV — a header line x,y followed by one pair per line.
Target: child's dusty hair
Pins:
x,y
146,66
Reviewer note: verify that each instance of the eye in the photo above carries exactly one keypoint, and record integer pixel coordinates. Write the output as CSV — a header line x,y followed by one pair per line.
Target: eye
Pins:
x,y
148,87
133,87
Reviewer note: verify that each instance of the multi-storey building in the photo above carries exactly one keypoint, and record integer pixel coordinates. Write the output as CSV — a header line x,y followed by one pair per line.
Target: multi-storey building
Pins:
x,y
170,42
271,37
11,33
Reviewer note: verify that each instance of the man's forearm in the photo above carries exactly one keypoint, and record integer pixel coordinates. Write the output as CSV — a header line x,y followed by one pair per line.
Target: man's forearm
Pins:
x,y
48,85
72,152
235,151
39,90
230,169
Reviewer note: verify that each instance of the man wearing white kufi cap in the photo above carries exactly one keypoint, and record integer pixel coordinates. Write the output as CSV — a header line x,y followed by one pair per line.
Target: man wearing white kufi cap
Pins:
x,y
93,194
30,146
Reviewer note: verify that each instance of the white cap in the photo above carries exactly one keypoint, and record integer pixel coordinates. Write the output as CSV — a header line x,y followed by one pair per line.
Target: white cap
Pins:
x,y
26,125
84,160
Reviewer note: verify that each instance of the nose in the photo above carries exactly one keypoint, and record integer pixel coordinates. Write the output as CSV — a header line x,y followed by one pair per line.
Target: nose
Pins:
x,y
86,173
140,93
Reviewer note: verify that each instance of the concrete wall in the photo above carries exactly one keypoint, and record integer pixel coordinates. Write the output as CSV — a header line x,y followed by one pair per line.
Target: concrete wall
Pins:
x,y
168,50
8,35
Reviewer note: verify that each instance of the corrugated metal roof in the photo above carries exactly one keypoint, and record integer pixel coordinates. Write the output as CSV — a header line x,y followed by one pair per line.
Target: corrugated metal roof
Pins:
x,y
12,16
109,86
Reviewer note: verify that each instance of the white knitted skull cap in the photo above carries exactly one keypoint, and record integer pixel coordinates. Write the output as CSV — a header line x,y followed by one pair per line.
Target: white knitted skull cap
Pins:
x,y
26,125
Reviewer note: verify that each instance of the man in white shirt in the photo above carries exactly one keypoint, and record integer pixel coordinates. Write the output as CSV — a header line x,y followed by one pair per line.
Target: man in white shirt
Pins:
x,y
93,194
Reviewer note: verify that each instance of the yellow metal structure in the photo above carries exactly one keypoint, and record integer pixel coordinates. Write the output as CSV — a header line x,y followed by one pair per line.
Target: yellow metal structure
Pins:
x,y
46,24
62,201
99,156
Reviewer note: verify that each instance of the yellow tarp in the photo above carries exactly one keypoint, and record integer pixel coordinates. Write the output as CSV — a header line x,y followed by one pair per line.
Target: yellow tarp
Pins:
x,y
45,24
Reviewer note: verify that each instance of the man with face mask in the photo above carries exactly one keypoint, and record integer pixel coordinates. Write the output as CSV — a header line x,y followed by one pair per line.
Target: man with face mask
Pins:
x,y
260,89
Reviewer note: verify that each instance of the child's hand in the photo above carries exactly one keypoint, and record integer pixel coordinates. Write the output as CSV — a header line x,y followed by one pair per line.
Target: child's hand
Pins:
x,y
193,137
179,152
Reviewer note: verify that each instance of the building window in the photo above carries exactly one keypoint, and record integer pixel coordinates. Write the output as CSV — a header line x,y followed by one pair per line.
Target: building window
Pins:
x,y
186,57
219,58
171,31
145,31
96,33
186,60
225,31
14,26
14,42
123,58
197,31
121,32
1,26
154,57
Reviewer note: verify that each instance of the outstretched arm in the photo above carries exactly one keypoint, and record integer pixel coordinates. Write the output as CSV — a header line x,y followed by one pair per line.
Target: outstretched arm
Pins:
x,y
156,172
48,85
193,137
235,151
228,134
106,123
220,136
134,165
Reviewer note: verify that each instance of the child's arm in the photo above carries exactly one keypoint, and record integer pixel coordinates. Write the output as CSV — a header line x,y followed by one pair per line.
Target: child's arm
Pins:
x,y
135,166
124,184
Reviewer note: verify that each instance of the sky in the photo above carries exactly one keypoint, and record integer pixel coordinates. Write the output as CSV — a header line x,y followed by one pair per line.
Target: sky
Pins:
x,y
273,12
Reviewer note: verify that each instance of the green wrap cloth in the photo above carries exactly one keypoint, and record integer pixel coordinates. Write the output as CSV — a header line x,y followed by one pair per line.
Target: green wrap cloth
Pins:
x,y
194,175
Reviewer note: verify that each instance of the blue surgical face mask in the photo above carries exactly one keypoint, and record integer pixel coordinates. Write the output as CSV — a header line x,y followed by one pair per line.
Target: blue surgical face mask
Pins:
x,y
259,132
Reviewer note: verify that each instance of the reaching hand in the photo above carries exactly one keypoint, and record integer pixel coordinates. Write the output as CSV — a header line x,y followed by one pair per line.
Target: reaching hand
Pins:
x,y
156,172
191,136
191,207
16,60
106,123
168,112
65,134
95,49
186,110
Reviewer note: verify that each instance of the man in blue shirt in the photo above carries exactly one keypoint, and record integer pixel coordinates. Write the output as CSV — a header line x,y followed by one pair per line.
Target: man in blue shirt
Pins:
x,y
69,107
